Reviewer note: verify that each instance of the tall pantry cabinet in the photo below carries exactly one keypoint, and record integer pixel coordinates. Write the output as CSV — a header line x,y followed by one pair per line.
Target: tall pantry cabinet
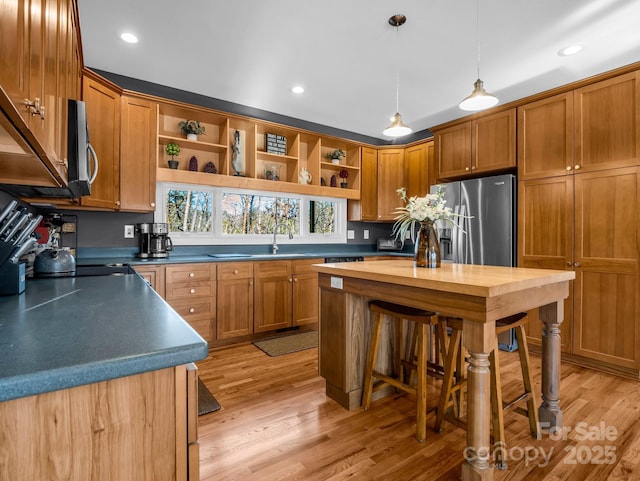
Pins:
x,y
579,188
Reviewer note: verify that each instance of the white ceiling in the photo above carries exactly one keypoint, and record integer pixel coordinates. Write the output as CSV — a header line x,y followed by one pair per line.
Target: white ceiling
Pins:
x,y
344,51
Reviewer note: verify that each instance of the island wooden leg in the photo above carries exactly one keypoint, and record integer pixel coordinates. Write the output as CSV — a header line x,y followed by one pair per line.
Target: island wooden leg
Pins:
x,y
550,413
479,339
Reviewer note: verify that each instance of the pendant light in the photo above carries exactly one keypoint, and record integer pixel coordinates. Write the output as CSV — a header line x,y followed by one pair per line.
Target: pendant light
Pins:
x,y
397,128
479,98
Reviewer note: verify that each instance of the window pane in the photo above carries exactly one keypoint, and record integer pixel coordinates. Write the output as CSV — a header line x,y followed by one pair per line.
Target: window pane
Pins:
x,y
321,217
256,214
189,210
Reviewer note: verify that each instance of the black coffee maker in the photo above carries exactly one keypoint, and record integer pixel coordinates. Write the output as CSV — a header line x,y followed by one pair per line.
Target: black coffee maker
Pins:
x,y
154,240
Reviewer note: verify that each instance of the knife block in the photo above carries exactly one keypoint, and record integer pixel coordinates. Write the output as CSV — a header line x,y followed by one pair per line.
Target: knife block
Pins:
x,y
12,278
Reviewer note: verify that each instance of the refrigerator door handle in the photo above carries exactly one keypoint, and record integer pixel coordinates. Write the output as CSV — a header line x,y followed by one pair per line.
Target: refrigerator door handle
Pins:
x,y
455,235
462,224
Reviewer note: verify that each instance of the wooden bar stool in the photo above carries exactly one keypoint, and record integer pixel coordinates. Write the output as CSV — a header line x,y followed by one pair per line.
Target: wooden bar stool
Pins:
x,y
450,394
517,322
422,320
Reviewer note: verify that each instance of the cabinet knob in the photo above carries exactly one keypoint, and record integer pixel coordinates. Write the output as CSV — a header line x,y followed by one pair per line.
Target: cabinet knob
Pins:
x,y
290,280
577,264
193,291
569,167
153,204
577,167
251,282
235,271
569,263
117,203
191,274
295,279
467,169
192,310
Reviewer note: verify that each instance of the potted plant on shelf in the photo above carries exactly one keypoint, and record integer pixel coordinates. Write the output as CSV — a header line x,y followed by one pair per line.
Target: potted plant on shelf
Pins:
x,y
336,156
191,128
172,150
344,174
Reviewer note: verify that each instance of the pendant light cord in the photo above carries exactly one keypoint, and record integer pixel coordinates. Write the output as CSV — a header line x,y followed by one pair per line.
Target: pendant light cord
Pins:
x,y
397,71
478,35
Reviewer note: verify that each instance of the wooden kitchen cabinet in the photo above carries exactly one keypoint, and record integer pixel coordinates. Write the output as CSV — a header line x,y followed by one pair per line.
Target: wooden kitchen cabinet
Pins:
x,y
285,294
191,291
39,39
115,429
305,292
102,101
273,294
484,145
593,128
607,300
155,277
417,163
235,299
382,174
137,159
545,240
588,222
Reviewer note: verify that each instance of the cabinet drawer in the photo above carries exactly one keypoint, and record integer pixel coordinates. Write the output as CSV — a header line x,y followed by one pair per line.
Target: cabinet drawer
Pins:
x,y
186,290
190,272
194,309
235,270
269,269
303,266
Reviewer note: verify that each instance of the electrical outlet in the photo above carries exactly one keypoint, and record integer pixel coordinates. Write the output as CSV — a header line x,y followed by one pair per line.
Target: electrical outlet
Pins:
x,y
351,234
129,233
365,234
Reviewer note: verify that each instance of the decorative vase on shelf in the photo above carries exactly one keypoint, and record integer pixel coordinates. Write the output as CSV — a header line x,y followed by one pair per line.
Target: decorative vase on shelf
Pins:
x,y
343,185
173,164
427,248
192,136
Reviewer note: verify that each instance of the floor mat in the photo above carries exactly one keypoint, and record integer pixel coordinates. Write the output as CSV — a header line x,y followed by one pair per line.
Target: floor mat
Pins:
x,y
206,402
278,346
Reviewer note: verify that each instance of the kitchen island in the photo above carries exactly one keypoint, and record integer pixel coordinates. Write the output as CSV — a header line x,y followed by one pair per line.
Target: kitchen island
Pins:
x,y
478,294
94,382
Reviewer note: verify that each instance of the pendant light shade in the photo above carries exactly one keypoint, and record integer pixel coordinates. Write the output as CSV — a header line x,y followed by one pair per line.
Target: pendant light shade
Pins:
x,y
479,99
397,128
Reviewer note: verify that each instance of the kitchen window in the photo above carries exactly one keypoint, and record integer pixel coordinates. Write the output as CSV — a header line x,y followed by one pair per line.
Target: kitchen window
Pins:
x,y
201,215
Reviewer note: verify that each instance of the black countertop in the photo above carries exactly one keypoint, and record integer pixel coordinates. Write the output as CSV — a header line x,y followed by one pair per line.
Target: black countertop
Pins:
x,y
67,332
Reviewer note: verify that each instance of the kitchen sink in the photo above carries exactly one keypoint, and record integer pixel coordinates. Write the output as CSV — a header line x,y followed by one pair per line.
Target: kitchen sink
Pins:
x,y
254,256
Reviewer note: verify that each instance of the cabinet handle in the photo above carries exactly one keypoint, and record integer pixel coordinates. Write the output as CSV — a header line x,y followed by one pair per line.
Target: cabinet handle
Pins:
x,y
192,310
290,280
569,263
153,204
34,108
193,291
577,167
569,167
191,274
251,282
295,279
117,203
577,264
467,169
235,271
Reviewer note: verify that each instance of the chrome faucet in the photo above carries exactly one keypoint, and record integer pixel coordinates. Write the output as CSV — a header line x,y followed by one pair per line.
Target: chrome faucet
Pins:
x,y
274,247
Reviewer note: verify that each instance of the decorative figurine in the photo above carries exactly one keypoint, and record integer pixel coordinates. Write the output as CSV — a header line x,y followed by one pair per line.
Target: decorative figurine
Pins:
x,y
334,183
210,168
236,158
193,164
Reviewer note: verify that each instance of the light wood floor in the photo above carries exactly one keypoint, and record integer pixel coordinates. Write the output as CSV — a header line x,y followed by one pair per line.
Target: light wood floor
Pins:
x,y
277,424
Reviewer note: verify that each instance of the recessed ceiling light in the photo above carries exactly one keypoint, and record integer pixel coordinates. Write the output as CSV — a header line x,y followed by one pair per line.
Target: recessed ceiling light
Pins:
x,y
129,37
298,89
570,50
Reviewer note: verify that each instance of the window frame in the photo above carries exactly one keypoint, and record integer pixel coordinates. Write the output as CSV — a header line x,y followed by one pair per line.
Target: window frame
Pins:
x,y
215,237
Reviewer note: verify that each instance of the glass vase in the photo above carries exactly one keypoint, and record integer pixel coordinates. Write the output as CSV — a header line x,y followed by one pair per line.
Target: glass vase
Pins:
x,y
427,249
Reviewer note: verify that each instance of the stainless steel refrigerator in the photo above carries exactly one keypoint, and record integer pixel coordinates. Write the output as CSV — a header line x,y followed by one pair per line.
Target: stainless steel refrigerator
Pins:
x,y
487,233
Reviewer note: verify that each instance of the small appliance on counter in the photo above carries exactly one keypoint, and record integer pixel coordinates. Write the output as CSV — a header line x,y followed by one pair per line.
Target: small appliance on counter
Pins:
x,y
53,259
154,240
390,245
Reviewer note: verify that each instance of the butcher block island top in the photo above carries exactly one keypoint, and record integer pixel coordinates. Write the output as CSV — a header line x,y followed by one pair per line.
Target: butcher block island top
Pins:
x,y
480,295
